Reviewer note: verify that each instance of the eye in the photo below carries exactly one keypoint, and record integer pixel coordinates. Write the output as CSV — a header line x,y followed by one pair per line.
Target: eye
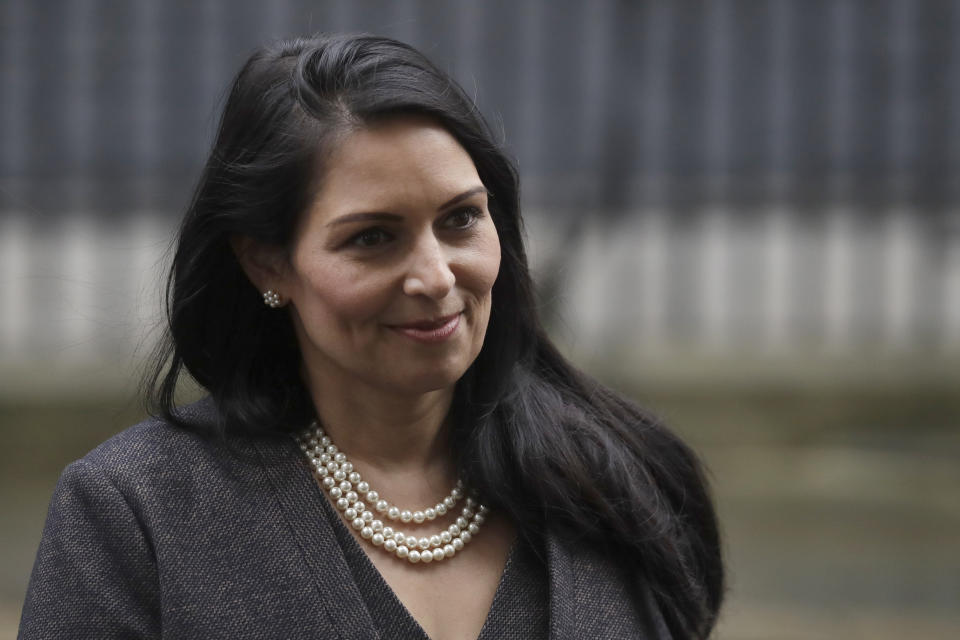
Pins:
x,y
369,238
463,218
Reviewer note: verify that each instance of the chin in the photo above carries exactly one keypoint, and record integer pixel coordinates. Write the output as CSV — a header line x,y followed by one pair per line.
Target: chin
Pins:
x,y
425,381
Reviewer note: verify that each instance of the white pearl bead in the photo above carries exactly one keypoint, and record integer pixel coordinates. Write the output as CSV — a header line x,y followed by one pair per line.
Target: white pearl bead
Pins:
x,y
414,556
431,514
411,542
358,505
366,532
333,466
441,509
393,513
323,472
438,554
354,476
449,502
347,466
372,495
324,458
474,529
325,440
445,537
351,496
426,556
457,493
382,505
423,543
350,513
376,525
454,529
335,493
368,517
406,516
329,482
418,517
345,486
388,532
390,545
448,550
332,449
479,519
342,504
339,457
402,551
457,544
468,513
465,536
358,523
363,487
339,475
377,539
462,522
434,541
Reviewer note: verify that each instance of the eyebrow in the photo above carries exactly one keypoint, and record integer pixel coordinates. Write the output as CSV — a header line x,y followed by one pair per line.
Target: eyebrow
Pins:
x,y
382,216
463,196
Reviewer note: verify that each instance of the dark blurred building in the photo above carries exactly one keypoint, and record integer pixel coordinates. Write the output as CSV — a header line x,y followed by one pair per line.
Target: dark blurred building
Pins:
x,y
109,105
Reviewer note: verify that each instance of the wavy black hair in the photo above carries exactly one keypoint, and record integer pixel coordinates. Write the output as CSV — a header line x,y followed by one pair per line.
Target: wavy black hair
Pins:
x,y
537,438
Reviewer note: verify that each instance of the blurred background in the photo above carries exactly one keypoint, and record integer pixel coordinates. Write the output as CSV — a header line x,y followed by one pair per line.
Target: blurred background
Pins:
x,y
745,215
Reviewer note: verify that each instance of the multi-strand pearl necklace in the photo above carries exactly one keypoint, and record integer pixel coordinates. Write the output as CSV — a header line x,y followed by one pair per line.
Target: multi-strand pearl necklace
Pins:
x,y
351,495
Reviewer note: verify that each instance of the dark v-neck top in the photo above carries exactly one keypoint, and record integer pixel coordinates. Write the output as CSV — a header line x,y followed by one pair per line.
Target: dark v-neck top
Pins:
x,y
520,608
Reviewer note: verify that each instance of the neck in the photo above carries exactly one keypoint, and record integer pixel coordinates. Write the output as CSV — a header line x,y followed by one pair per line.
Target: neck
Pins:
x,y
393,433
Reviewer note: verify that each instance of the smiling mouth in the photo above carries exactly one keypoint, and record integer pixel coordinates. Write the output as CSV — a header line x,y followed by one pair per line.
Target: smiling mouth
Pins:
x,y
430,330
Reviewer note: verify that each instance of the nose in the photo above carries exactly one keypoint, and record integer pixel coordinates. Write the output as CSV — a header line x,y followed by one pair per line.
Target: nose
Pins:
x,y
429,271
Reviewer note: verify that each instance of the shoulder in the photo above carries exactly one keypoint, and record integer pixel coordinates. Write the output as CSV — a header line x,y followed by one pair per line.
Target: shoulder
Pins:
x,y
151,443
145,438
156,458
172,482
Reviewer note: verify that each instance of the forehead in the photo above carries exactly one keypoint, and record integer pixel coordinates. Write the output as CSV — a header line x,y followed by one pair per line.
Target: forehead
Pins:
x,y
410,159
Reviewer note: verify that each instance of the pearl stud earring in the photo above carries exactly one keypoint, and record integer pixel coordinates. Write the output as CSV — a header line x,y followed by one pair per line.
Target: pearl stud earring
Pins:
x,y
272,299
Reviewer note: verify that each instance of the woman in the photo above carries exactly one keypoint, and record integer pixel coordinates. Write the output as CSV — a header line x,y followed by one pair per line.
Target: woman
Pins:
x,y
391,446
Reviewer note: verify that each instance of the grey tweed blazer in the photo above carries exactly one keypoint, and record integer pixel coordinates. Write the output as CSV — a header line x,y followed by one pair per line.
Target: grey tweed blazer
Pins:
x,y
159,533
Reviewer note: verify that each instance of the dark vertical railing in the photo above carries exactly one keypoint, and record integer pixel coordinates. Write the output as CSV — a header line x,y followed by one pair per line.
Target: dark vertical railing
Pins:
x,y
145,99
654,115
14,98
780,141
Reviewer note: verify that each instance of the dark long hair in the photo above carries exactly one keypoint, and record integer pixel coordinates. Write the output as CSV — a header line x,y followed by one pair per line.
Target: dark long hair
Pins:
x,y
538,439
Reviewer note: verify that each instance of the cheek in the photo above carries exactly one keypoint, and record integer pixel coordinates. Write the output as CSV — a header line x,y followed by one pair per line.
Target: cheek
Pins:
x,y
330,293
487,270
488,261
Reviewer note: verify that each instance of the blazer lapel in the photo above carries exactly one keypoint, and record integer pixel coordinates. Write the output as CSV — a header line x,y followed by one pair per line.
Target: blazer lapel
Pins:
x,y
300,500
563,592
591,597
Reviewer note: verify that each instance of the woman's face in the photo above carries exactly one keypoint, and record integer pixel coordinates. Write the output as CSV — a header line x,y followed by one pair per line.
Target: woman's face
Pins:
x,y
391,269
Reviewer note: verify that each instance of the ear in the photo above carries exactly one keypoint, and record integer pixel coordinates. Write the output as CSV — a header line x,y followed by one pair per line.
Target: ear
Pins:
x,y
265,265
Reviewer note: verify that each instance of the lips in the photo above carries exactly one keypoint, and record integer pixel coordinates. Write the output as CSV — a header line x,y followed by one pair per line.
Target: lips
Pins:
x,y
430,330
